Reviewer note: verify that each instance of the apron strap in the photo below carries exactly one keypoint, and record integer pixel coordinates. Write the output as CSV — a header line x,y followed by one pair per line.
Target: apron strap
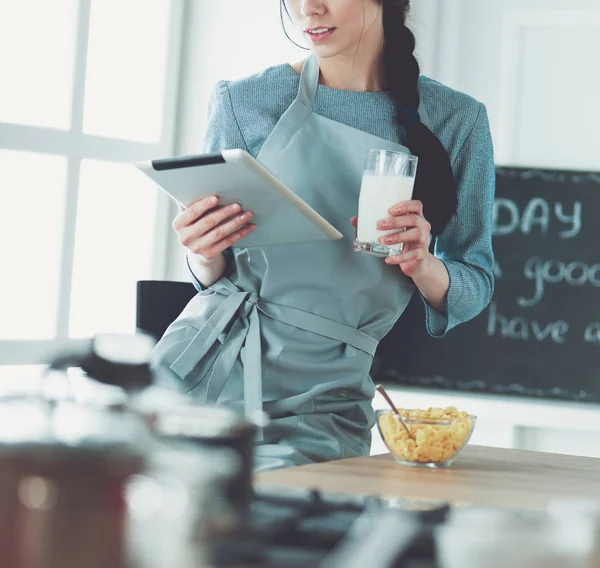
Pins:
x,y
241,310
309,82
321,326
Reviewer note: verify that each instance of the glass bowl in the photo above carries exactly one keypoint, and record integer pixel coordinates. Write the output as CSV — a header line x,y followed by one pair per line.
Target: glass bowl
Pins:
x,y
436,443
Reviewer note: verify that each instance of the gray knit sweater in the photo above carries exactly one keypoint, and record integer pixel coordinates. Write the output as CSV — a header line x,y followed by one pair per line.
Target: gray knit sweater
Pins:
x,y
243,113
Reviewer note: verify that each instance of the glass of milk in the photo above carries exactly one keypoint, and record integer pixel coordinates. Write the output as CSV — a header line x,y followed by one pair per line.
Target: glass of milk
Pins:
x,y
388,179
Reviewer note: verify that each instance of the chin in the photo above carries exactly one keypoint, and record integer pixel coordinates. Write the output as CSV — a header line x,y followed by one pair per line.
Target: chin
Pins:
x,y
325,51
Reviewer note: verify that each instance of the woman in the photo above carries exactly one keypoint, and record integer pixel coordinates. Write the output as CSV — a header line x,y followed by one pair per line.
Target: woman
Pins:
x,y
292,329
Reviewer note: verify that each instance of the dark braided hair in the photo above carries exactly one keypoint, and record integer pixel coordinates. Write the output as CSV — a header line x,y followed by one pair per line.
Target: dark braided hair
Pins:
x,y
435,186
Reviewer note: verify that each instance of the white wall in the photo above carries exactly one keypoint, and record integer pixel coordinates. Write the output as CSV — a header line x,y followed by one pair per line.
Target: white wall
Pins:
x,y
225,40
533,63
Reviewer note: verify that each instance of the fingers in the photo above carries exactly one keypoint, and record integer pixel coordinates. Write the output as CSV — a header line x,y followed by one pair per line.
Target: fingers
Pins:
x,y
399,222
193,212
214,219
218,247
414,206
354,222
206,223
410,262
405,222
205,228
224,230
208,233
415,235
407,257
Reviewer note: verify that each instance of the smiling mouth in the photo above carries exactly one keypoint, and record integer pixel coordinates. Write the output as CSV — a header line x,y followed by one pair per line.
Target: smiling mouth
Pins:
x,y
320,33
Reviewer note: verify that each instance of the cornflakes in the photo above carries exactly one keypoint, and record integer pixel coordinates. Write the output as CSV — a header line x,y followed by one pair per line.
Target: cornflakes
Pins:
x,y
437,437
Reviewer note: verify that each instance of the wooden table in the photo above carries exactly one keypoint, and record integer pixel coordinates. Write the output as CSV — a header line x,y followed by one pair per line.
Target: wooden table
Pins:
x,y
514,479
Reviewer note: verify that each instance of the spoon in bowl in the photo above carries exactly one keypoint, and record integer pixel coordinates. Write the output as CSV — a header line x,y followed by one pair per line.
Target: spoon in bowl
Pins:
x,y
385,395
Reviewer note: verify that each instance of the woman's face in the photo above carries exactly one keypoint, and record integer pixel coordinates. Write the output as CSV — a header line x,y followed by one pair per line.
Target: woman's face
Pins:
x,y
334,27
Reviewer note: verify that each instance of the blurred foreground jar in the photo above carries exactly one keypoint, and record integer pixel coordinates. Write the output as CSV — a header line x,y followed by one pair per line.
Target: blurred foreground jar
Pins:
x,y
480,538
576,510
177,509
90,487
63,472
175,420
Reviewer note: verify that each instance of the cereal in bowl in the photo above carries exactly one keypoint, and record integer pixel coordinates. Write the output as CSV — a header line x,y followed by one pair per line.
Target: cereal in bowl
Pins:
x,y
437,434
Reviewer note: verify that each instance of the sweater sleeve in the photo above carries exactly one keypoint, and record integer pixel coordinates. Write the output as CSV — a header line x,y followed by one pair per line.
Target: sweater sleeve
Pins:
x,y
465,246
223,130
222,133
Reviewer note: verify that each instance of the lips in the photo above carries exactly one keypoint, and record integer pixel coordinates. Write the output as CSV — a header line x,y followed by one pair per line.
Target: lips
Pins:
x,y
319,33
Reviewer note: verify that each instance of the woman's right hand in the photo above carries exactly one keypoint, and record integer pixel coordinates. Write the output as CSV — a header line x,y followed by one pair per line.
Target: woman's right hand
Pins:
x,y
207,230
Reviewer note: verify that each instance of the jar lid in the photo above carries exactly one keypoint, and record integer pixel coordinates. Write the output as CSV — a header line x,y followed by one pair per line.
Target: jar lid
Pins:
x,y
41,436
175,415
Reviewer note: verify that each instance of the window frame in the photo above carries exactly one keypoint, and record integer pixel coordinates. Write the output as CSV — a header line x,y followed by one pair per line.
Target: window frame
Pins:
x,y
76,146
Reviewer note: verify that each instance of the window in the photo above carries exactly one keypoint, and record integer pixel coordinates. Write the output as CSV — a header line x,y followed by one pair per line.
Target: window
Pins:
x,y
88,87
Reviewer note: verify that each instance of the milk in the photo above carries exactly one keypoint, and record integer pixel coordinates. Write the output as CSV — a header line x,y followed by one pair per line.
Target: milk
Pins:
x,y
378,194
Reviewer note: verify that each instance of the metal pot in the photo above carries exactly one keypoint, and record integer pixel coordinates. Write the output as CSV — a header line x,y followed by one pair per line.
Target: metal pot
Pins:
x,y
124,361
176,508
63,472
178,419
79,466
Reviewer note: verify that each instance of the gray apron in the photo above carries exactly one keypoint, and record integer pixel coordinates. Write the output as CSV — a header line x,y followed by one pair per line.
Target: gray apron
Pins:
x,y
293,329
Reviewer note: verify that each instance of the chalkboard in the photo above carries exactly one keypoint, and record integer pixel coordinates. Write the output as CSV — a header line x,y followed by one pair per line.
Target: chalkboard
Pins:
x,y
540,336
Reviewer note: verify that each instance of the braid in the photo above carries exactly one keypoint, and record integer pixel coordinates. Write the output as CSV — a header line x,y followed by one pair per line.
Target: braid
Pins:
x,y
435,186
400,65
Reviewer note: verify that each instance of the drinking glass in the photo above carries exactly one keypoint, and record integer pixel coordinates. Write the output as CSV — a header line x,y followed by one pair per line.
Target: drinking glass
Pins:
x,y
388,179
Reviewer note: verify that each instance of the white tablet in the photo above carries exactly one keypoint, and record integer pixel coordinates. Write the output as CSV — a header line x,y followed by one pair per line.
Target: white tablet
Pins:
x,y
281,217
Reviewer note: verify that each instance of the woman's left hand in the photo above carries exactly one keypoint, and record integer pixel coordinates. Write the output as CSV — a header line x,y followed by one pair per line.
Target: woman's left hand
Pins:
x,y
415,259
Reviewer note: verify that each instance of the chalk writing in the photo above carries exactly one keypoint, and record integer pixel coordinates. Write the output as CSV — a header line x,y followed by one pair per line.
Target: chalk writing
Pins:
x,y
524,329
538,216
544,272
